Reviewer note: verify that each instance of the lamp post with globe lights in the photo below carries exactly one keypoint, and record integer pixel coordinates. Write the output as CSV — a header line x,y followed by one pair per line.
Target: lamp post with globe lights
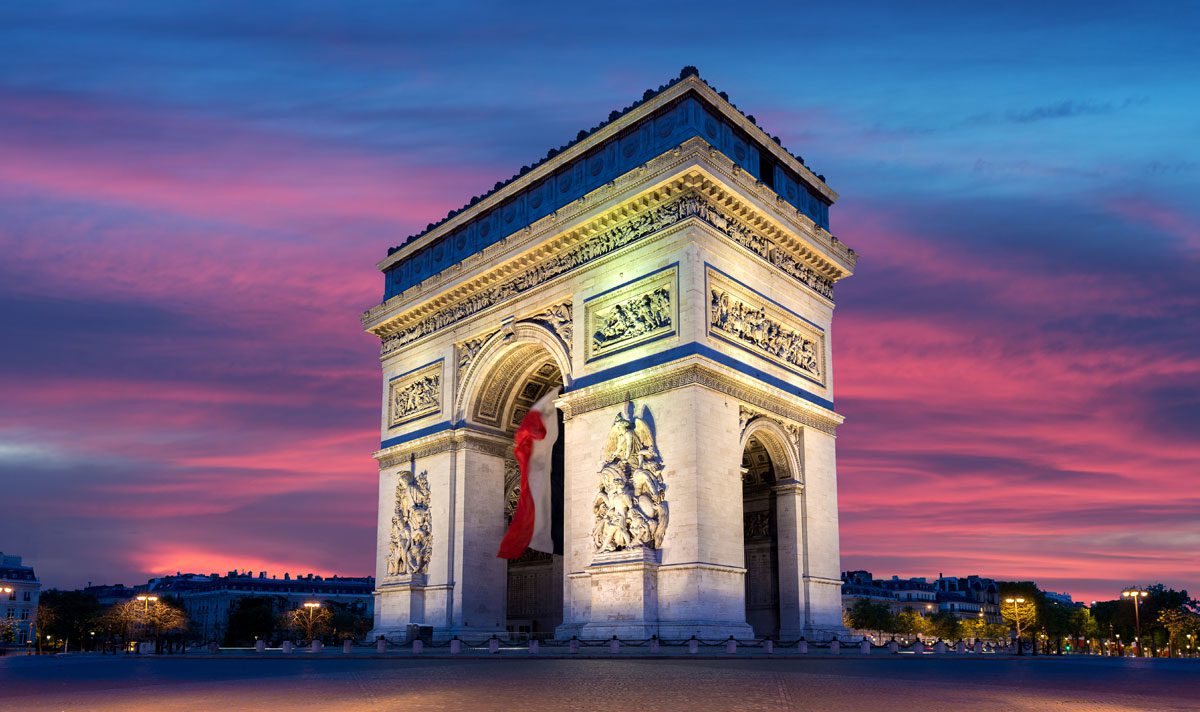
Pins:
x,y
311,608
1015,603
1136,594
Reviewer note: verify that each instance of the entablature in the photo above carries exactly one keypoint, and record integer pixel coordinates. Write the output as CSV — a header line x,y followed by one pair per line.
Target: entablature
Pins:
x,y
662,121
694,182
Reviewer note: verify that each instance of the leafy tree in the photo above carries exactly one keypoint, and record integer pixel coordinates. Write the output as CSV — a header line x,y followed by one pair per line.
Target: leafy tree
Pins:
x,y
150,619
1022,615
1117,616
252,618
112,626
1178,622
309,623
348,622
909,622
67,616
944,625
8,629
869,615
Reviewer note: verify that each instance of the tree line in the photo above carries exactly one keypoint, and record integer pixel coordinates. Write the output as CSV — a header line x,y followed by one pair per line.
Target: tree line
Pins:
x,y
69,621
1167,618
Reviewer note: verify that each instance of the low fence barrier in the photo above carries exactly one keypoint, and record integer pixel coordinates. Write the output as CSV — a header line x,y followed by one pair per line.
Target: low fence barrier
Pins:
x,y
654,645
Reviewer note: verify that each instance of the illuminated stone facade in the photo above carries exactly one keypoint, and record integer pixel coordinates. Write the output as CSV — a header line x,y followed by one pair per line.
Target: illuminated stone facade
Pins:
x,y
680,290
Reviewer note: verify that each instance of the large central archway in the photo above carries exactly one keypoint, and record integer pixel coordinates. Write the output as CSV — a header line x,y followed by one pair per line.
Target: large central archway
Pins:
x,y
510,375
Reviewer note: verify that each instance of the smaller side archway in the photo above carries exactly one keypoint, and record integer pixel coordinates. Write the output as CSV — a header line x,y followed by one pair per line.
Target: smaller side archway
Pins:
x,y
768,463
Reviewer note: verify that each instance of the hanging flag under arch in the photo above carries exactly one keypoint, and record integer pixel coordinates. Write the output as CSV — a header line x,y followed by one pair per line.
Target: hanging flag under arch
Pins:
x,y
533,521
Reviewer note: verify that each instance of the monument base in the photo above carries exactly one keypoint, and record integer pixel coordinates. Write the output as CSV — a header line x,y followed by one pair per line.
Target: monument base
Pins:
x,y
400,601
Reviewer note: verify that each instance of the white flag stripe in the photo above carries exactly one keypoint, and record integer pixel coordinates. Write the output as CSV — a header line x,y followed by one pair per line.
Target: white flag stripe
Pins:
x,y
539,475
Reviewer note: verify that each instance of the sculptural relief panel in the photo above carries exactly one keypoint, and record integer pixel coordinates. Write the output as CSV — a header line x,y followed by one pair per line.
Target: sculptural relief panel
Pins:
x,y
411,534
630,509
632,314
751,321
416,394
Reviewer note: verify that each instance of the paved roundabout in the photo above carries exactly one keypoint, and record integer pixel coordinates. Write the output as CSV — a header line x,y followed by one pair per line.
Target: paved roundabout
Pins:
x,y
891,683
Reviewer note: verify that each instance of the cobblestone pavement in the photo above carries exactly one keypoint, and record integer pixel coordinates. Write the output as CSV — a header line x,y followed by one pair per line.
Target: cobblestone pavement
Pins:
x,y
893,683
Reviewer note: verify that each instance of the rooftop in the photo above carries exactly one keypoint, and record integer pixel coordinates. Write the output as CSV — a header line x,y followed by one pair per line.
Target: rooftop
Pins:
x,y
664,118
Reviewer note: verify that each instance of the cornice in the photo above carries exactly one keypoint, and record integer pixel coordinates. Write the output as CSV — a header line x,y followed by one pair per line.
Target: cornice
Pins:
x,y
603,134
694,166
697,370
464,438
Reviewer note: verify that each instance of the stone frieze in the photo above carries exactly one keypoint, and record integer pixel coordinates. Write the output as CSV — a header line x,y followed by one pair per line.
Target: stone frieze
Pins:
x,y
415,395
690,205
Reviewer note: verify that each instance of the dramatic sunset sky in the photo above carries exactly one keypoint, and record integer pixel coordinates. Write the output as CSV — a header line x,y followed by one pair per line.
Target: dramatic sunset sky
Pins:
x,y
193,197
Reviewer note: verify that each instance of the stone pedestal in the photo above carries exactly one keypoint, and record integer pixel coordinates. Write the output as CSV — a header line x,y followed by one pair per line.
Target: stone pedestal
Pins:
x,y
624,587
399,600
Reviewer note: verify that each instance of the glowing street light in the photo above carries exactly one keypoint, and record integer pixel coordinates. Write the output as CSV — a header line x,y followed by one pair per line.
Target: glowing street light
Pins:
x,y
1136,594
1017,613
312,608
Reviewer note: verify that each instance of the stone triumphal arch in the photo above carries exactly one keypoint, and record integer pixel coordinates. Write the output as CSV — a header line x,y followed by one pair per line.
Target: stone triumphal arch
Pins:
x,y
672,272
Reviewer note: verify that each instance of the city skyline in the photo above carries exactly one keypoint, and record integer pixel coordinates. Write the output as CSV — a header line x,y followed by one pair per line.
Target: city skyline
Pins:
x,y
190,202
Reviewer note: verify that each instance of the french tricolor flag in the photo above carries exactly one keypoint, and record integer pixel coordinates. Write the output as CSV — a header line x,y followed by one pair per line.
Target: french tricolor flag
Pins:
x,y
533,521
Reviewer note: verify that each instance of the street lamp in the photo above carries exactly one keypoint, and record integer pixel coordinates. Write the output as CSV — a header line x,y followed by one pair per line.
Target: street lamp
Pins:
x,y
312,607
1136,594
1017,613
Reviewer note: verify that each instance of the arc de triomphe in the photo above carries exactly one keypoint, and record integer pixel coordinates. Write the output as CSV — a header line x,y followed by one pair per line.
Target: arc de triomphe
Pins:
x,y
672,270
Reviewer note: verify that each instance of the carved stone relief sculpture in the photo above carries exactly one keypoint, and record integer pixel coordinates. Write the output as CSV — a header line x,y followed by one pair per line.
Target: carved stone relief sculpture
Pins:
x,y
646,223
630,315
757,325
412,531
558,318
415,395
512,488
631,508
467,351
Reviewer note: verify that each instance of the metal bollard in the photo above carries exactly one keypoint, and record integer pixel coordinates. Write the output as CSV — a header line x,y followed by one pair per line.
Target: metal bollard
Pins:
x,y
455,646
693,646
769,646
574,646
731,646
865,647
418,646
260,646
654,644
534,646
614,645
381,645
835,648
287,646
316,646
494,645
347,646
802,647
